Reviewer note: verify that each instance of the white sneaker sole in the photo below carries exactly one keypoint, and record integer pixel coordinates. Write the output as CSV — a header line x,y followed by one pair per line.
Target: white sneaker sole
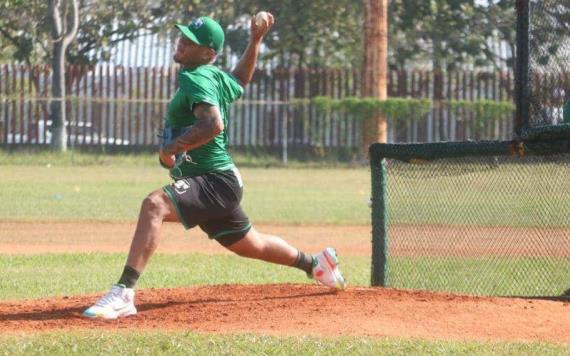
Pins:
x,y
127,311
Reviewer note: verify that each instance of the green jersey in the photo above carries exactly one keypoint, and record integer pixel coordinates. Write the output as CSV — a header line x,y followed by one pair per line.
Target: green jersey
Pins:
x,y
203,84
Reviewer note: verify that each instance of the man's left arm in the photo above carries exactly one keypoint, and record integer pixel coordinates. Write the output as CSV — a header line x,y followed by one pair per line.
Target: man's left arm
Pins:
x,y
208,125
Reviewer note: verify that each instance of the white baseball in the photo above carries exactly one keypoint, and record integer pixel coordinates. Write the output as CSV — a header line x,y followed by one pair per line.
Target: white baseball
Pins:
x,y
261,17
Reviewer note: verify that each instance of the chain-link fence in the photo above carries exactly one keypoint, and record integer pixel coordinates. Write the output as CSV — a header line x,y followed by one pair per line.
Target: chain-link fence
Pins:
x,y
549,62
472,217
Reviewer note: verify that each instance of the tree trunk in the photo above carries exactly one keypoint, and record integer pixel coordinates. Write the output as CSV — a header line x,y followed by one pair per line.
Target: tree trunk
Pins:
x,y
62,35
374,76
57,107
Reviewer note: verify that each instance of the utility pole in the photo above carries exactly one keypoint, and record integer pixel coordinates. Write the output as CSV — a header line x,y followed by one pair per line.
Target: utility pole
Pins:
x,y
375,71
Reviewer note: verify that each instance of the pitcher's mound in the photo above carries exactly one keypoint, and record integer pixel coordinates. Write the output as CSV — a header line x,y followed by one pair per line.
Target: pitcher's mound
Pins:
x,y
292,309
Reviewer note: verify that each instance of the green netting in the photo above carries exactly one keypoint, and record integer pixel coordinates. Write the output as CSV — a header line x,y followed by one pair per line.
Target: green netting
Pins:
x,y
482,218
548,62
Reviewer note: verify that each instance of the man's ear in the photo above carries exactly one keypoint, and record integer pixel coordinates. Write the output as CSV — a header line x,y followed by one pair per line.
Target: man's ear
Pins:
x,y
210,55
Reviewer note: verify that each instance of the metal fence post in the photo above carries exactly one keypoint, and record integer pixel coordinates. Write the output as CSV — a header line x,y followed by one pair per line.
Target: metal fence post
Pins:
x,y
379,223
284,136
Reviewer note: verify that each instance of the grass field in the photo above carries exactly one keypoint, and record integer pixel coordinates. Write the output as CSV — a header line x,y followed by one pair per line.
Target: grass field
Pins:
x,y
278,195
47,187
111,188
28,277
511,194
482,276
184,343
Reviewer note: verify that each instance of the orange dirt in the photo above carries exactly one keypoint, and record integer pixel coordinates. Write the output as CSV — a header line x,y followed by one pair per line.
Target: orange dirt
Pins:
x,y
349,240
310,310
57,237
289,309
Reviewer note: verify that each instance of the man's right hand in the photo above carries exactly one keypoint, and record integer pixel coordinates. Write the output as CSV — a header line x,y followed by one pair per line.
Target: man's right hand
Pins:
x,y
257,32
166,159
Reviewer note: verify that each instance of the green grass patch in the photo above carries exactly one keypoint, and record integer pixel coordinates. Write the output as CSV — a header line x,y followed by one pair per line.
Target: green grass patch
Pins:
x,y
111,187
114,193
31,277
493,275
190,343
252,158
535,194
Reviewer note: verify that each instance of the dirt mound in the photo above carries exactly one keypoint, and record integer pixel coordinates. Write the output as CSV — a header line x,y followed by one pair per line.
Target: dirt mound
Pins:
x,y
288,309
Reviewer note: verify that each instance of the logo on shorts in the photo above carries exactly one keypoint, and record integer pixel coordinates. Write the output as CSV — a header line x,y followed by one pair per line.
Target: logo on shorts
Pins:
x,y
181,186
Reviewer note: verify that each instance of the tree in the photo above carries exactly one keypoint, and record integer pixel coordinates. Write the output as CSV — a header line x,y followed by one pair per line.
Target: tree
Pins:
x,y
25,28
315,33
306,33
550,35
448,34
309,33
64,15
374,78
106,23
497,22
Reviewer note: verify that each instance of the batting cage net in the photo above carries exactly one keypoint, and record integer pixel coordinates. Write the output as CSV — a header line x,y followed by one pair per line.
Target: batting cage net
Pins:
x,y
481,218
548,61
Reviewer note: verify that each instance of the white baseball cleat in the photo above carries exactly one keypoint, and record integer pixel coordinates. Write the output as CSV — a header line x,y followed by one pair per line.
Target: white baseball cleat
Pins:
x,y
325,269
117,303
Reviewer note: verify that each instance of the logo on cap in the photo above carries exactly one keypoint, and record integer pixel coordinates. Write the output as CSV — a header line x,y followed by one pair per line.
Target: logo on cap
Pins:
x,y
197,23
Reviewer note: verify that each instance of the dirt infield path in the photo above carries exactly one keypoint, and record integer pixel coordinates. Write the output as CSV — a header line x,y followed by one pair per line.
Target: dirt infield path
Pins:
x,y
310,310
349,240
57,237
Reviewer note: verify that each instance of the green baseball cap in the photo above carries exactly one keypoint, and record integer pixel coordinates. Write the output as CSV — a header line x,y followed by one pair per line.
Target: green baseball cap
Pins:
x,y
205,32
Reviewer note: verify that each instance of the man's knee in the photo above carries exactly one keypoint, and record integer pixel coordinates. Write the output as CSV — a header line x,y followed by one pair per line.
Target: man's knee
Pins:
x,y
156,204
251,245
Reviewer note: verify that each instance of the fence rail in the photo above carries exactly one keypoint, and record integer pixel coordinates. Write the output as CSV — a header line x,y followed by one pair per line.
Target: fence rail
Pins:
x,y
126,105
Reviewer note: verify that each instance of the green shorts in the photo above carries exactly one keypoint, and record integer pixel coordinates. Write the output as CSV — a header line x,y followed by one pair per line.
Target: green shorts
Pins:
x,y
211,201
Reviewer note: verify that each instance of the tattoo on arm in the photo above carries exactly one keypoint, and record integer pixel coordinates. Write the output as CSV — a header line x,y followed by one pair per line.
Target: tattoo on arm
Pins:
x,y
208,125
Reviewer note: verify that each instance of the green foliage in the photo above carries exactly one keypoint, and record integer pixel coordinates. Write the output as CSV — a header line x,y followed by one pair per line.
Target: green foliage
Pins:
x,y
301,38
105,23
482,112
403,109
550,36
25,30
312,33
315,33
400,109
449,33
407,109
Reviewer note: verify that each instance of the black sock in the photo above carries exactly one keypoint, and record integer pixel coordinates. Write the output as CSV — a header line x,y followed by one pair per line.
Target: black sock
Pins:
x,y
129,277
304,262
